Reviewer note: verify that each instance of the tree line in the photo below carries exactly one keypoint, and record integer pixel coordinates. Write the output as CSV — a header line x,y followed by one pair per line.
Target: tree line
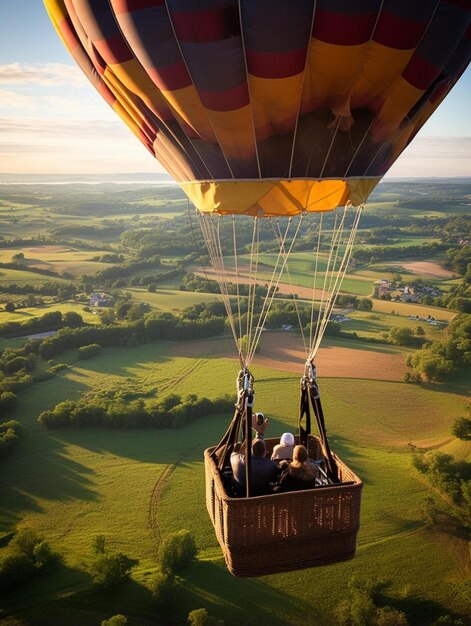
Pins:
x,y
171,411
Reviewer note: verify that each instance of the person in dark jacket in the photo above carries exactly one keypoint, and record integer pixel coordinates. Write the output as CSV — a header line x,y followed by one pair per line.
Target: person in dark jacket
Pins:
x,y
264,471
297,475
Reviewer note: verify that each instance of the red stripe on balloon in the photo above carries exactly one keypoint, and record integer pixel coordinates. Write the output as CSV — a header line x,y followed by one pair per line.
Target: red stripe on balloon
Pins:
x,y
228,100
114,50
397,32
204,26
343,30
276,64
460,3
170,78
440,91
126,6
106,93
68,32
420,73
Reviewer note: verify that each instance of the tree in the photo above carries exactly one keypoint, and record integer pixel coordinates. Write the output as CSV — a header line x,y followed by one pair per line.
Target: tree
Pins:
x,y
177,550
162,588
462,428
110,570
402,336
9,307
419,331
18,257
107,316
201,617
72,319
115,620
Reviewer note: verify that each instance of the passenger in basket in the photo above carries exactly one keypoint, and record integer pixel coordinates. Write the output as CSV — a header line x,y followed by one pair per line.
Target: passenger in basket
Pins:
x,y
264,471
284,449
299,474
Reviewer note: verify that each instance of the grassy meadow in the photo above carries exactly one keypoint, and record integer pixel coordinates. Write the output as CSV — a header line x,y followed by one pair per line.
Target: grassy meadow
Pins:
x,y
73,484
136,486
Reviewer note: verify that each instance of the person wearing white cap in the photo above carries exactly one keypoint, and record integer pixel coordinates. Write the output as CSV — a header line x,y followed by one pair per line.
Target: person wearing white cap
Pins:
x,y
284,449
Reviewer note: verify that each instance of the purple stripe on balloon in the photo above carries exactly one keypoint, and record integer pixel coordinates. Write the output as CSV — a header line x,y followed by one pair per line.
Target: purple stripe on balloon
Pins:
x,y
273,25
215,66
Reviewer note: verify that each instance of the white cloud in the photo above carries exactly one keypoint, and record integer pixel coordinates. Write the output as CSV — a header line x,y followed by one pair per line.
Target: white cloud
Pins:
x,y
58,129
42,74
434,156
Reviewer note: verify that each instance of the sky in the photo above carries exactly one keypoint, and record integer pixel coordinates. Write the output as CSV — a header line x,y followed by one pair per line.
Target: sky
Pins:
x,y
52,121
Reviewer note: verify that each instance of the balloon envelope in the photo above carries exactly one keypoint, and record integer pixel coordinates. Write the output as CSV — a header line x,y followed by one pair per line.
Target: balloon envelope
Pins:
x,y
270,107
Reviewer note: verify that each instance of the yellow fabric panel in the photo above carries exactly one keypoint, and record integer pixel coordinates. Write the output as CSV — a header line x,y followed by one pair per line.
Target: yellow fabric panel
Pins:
x,y
380,67
399,99
132,74
234,132
330,74
360,189
277,198
127,118
57,11
187,104
275,103
125,97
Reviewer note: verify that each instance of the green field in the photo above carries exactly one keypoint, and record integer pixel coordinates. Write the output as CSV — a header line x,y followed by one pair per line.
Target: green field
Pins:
x,y
165,299
26,313
74,484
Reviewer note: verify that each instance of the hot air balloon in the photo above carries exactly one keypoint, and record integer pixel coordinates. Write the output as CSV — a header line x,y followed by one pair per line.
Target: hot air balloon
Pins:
x,y
287,113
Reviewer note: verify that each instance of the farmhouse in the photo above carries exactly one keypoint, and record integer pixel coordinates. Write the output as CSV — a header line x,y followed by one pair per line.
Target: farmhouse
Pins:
x,y
101,299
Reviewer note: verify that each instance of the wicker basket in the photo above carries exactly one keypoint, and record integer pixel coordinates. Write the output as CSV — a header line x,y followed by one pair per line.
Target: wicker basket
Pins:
x,y
286,531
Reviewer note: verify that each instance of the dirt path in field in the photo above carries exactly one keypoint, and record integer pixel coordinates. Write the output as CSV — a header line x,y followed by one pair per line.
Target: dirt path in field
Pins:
x,y
153,523
284,351
427,268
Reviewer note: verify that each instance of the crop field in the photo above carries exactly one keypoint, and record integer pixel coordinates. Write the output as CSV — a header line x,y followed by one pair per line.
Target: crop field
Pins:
x,y
165,299
26,313
56,258
373,324
74,484
411,308
10,276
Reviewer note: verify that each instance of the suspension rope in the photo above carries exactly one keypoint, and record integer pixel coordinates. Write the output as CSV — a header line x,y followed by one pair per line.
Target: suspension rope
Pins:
x,y
335,287
236,267
288,273
264,314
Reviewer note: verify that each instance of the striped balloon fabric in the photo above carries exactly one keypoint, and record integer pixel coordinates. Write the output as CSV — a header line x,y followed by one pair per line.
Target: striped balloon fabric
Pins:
x,y
270,107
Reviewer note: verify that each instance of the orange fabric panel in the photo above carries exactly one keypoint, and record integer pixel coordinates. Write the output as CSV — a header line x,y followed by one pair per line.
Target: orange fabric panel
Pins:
x,y
187,104
380,67
125,97
275,103
398,101
277,197
330,74
132,74
234,132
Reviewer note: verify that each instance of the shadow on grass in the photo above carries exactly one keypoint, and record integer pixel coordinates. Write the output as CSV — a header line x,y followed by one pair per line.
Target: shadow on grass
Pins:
x,y
67,595
239,600
351,456
48,474
419,611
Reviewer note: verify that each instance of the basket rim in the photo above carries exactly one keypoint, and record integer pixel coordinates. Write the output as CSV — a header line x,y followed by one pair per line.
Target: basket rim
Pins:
x,y
356,485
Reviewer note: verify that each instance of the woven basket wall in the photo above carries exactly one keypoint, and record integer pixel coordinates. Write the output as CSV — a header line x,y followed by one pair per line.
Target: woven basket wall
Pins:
x,y
286,531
